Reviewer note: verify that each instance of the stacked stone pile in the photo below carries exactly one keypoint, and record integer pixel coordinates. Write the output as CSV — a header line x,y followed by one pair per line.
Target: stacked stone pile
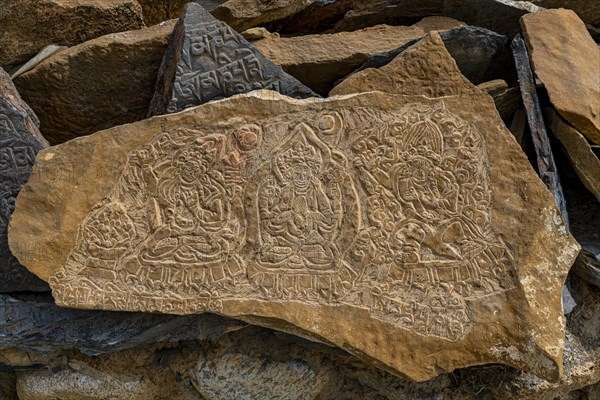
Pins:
x,y
299,199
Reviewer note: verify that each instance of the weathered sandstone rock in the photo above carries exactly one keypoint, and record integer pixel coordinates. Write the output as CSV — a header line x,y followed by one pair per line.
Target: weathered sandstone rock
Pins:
x,y
474,49
424,68
207,60
578,150
245,14
20,140
35,323
98,84
567,61
30,25
320,60
500,16
302,215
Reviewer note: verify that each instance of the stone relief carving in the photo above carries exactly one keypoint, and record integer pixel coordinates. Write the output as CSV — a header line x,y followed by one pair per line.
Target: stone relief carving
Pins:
x,y
393,217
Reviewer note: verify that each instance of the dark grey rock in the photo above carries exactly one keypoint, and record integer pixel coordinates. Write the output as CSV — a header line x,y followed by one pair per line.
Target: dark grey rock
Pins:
x,y
474,49
500,16
34,323
207,60
20,140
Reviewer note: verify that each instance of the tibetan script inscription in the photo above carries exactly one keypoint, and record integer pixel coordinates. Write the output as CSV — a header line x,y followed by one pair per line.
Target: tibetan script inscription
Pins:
x,y
20,140
393,217
213,62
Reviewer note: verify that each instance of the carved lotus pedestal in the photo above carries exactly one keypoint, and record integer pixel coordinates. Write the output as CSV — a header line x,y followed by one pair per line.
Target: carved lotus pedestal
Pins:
x,y
409,231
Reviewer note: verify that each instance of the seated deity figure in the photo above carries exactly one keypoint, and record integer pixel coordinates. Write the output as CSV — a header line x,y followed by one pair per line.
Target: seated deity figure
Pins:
x,y
197,223
298,209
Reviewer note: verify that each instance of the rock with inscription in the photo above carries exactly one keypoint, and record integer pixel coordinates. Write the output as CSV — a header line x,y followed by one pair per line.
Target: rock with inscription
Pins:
x,y
30,25
207,60
20,140
474,49
425,68
584,160
415,221
319,61
567,60
98,84
246,14
500,16
34,323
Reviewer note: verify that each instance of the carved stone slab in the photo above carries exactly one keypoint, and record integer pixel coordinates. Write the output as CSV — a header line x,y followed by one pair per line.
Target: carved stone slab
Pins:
x,y
20,140
207,60
409,231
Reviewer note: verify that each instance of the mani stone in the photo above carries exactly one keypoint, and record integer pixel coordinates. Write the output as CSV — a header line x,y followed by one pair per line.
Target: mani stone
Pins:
x,y
39,57
20,140
207,60
567,60
30,25
579,151
98,84
425,68
409,231
245,14
319,61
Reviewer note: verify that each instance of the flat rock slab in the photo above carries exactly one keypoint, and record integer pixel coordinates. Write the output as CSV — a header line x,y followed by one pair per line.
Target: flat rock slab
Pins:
x,y
20,140
207,60
567,60
35,323
30,25
579,151
96,85
403,229
319,61
340,15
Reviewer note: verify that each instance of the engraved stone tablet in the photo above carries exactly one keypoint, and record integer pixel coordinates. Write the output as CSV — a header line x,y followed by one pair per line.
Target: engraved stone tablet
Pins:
x,y
207,60
409,231
20,140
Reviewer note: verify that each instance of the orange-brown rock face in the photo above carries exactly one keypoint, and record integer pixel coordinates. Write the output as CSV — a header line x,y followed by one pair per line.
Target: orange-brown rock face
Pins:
x,y
30,25
403,229
567,60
